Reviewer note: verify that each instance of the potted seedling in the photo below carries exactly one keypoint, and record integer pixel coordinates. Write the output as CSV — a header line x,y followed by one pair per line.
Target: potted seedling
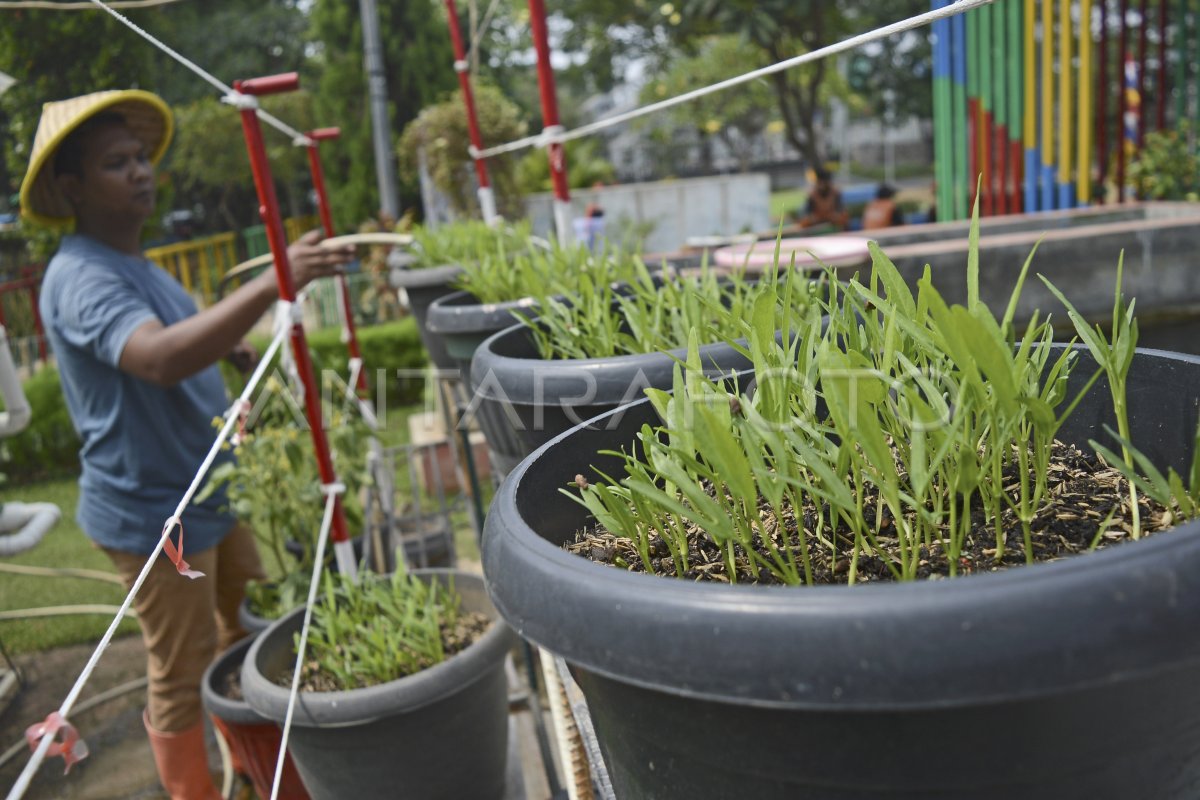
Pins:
x,y
918,552
272,485
435,262
601,349
403,691
506,283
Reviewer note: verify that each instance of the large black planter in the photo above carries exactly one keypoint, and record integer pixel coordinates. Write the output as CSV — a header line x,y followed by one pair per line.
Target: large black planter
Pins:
x,y
441,733
523,401
423,287
463,323
1073,679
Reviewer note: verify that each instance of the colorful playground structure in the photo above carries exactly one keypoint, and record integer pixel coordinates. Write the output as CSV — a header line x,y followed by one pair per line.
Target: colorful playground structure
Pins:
x,y
1045,102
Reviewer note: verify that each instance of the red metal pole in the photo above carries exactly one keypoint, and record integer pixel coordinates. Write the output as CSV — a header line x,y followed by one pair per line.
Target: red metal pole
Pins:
x,y
487,203
318,178
558,160
269,211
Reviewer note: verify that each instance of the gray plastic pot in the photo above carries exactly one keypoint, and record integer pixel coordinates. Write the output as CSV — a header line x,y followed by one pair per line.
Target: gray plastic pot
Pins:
x,y
423,287
524,401
1072,679
441,733
463,323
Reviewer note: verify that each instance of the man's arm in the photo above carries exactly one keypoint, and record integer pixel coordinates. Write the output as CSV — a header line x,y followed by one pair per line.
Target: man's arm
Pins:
x,y
166,355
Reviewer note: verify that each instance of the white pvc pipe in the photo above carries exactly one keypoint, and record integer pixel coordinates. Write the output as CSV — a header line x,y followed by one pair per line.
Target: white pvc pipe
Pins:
x,y
487,205
31,521
563,224
17,412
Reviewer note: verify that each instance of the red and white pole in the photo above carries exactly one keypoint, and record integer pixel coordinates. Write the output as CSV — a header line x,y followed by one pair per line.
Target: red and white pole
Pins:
x,y
349,332
268,209
550,123
487,200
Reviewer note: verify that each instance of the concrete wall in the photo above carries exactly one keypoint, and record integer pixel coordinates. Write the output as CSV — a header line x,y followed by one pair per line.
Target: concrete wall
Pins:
x,y
1076,250
675,210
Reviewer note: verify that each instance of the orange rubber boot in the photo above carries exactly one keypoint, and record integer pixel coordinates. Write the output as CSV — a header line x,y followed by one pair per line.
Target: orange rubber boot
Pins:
x,y
182,762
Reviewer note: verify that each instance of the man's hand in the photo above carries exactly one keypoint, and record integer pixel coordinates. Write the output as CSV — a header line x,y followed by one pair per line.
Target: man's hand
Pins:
x,y
310,261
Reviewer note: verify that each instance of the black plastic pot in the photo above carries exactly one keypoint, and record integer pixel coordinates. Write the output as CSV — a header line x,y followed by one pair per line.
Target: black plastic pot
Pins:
x,y
463,323
253,739
523,401
442,733
251,623
423,287
1072,679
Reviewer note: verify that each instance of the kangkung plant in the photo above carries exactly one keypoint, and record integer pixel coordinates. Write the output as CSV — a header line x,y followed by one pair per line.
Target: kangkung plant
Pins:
x,y
465,241
885,429
654,313
508,272
380,628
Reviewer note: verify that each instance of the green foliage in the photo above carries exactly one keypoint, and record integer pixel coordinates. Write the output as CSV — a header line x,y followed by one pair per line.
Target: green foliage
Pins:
x,y
1168,166
653,315
380,629
209,155
586,166
465,240
274,487
441,132
537,271
417,59
49,446
925,408
737,117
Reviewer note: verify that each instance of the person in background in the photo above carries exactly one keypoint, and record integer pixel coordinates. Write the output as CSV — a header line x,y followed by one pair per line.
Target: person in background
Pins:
x,y
883,211
824,206
138,365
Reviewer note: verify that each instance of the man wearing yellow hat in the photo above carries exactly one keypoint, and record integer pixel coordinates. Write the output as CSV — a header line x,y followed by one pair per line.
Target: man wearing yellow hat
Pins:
x,y
138,367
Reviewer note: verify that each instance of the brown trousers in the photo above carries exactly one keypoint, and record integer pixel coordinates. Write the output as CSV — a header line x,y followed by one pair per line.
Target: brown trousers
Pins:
x,y
186,623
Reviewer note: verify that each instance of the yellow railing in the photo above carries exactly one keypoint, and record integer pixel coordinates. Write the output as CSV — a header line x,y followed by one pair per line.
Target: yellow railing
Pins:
x,y
201,261
295,227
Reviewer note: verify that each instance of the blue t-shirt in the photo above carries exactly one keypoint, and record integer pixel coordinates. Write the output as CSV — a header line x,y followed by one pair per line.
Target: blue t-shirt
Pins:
x,y
142,444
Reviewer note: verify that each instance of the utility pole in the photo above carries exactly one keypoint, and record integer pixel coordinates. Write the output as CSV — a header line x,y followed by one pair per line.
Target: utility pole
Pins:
x,y
385,173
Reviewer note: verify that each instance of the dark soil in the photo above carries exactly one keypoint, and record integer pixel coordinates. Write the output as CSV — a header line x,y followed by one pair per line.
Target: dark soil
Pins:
x,y
457,637
231,686
1083,492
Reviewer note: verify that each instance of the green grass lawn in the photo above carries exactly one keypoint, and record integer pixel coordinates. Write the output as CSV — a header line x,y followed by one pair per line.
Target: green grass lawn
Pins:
x,y
64,546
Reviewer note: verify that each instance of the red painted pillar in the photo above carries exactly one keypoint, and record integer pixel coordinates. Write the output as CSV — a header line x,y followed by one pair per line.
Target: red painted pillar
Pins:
x,y
349,330
558,159
1124,102
487,201
269,210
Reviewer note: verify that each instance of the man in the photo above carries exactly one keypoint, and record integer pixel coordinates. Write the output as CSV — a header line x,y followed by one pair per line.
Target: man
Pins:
x,y
138,366
824,206
882,212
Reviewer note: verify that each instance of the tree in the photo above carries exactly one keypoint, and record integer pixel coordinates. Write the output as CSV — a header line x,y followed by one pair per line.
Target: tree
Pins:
x,y
586,166
774,30
418,63
209,157
736,117
441,131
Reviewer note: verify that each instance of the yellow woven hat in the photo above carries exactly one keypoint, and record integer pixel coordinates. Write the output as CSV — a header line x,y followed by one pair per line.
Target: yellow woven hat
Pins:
x,y
147,116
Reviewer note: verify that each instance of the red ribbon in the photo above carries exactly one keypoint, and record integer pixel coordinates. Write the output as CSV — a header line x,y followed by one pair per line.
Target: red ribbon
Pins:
x,y
176,553
70,747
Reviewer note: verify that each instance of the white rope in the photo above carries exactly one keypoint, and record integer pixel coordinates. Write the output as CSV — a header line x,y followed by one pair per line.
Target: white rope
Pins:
x,y
225,90
550,137
64,711
478,33
331,492
18,4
